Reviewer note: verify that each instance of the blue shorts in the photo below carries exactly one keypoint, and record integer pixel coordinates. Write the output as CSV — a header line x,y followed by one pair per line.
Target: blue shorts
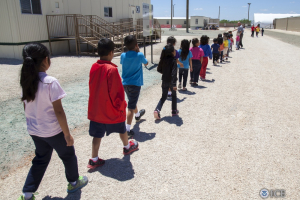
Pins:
x,y
133,93
98,130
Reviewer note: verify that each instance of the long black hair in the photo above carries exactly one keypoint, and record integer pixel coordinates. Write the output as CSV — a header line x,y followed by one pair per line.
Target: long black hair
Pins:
x,y
166,57
220,39
185,49
33,56
168,51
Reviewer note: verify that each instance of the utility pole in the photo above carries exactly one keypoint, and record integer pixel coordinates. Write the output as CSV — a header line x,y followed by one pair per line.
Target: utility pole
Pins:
x,y
187,16
171,14
219,12
174,10
249,10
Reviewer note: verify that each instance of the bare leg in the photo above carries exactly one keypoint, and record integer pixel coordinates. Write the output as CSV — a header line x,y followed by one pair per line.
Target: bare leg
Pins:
x,y
124,138
95,147
130,115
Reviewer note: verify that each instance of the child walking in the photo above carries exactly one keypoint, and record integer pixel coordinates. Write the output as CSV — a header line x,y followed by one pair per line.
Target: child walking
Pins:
x,y
220,42
215,50
186,59
226,43
107,105
46,121
197,60
172,40
237,41
207,54
168,68
132,75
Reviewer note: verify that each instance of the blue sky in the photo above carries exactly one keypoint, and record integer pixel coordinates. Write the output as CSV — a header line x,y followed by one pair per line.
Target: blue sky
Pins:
x,y
230,9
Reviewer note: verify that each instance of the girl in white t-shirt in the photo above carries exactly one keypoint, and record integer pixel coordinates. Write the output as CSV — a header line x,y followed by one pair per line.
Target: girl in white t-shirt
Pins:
x,y
46,121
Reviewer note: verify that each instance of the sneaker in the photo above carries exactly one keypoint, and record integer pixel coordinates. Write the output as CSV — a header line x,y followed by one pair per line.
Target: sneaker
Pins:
x,y
142,112
169,95
81,182
175,112
134,145
179,86
156,114
98,163
23,198
195,84
215,63
130,133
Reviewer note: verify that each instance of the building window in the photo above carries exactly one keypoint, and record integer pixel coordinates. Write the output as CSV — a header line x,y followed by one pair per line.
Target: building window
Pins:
x,y
184,22
31,6
108,12
168,22
56,5
196,21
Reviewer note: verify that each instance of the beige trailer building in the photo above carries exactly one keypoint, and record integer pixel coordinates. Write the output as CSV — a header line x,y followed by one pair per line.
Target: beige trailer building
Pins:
x,y
178,22
24,21
199,22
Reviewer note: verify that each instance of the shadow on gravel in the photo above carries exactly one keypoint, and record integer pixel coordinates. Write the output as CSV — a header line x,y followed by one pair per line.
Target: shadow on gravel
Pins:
x,y
141,136
208,72
116,168
186,92
73,196
178,100
199,87
10,61
171,120
209,81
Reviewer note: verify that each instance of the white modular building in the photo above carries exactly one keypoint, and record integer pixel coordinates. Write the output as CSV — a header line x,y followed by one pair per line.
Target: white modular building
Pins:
x,y
24,21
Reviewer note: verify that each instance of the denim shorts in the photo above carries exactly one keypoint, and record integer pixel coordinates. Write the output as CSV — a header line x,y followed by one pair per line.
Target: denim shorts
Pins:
x,y
98,130
133,93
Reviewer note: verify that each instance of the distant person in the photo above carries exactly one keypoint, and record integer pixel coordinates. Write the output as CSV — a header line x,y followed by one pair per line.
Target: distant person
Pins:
x,y
204,45
168,68
262,31
185,58
197,60
252,30
240,30
257,29
46,121
220,42
215,47
172,40
232,41
226,43
132,75
107,105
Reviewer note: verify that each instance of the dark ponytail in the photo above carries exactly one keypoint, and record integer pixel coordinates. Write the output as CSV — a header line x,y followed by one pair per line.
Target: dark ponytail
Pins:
x,y
33,56
185,49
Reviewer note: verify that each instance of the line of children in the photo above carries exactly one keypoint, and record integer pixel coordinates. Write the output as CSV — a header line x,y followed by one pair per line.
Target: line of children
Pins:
x,y
106,107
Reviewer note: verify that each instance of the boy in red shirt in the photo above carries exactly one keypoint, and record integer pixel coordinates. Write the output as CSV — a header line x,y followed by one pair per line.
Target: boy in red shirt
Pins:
x,y
107,105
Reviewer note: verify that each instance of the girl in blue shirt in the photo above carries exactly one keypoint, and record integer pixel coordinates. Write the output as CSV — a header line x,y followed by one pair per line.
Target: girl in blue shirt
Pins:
x,y
186,59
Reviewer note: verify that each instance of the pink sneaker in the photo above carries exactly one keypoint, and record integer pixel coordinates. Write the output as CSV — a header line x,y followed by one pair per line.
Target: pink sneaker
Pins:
x,y
175,112
156,114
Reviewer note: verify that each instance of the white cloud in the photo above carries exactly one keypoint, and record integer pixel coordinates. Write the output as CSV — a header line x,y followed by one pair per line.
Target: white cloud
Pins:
x,y
264,10
292,2
292,12
198,9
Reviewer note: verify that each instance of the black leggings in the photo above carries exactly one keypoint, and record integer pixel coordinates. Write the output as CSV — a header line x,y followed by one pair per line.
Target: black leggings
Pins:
x,y
165,88
183,73
196,70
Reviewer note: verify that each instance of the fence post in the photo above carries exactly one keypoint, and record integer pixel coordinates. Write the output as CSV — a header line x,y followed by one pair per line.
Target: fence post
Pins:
x,y
287,23
49,35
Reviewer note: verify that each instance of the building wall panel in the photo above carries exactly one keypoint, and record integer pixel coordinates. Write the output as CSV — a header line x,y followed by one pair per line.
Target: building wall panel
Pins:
x,y
5,23
294,24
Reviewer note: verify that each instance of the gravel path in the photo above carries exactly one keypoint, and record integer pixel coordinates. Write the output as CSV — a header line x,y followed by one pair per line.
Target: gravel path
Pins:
x,y
234,136
289,37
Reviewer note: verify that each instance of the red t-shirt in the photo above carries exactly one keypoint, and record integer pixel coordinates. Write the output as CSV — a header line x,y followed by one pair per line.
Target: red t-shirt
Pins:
x,y
107,103
252,28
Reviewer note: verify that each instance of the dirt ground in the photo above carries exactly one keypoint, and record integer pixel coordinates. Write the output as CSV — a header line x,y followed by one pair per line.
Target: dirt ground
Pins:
x,y
236,133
